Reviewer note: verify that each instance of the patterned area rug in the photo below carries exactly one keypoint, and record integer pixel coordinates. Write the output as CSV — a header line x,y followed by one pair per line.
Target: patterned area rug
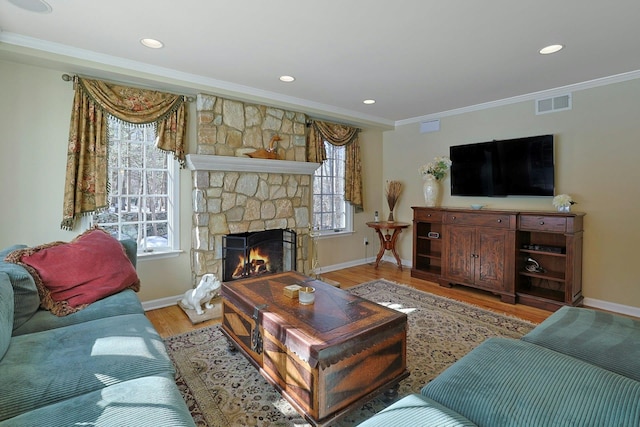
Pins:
x,y
222,389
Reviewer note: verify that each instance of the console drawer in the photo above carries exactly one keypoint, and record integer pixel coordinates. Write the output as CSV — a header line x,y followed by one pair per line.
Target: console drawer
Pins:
x,y
552,224
427,215
495,220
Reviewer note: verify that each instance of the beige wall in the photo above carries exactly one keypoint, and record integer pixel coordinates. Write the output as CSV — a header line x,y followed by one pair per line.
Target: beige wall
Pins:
x,y
597,154
598,146
35,108
347,249
34,113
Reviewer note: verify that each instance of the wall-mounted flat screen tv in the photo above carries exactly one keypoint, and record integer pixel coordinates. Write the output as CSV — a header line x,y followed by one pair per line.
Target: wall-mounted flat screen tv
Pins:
x,y
511,167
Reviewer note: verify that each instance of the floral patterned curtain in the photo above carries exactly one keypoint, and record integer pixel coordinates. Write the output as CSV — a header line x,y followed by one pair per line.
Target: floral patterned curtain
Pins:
x,y
339,135
86,183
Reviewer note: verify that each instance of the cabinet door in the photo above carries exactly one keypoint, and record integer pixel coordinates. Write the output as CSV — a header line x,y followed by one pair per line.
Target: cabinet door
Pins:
x,y
459,244
494,258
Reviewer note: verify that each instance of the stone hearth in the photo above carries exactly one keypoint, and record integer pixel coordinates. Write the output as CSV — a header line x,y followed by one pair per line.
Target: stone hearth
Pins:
x,y
233,193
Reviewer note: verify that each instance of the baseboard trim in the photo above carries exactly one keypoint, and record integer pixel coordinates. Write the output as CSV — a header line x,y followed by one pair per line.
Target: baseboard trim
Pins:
x,y
354,263
588,302
612,306
161,303
344,265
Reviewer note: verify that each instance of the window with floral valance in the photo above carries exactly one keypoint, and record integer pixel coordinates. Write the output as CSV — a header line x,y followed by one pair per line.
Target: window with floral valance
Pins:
x,y
86,181
339,135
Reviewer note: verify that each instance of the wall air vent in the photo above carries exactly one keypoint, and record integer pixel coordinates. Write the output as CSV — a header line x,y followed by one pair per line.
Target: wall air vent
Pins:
x,y
551,105
430,126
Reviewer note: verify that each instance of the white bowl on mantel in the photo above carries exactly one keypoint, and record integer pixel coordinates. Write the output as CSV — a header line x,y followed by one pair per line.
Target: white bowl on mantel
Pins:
x,y
477,207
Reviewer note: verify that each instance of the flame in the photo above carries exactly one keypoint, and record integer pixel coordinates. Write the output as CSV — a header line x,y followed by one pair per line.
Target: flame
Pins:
x,y
258,264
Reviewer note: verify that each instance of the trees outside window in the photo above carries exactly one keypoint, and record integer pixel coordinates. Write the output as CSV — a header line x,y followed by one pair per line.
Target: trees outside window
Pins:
x,y
142,189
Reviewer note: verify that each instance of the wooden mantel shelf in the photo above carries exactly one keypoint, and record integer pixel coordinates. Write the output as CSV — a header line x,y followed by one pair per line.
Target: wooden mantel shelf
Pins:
x,y
247,164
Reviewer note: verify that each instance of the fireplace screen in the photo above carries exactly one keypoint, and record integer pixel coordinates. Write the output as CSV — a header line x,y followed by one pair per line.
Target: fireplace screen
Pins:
x,y
253,253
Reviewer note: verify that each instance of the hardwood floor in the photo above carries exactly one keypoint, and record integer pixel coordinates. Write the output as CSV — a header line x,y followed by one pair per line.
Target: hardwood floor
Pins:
x,y
171,320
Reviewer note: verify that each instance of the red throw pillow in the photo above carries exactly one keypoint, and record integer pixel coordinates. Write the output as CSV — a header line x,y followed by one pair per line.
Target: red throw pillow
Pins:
x,y
70,276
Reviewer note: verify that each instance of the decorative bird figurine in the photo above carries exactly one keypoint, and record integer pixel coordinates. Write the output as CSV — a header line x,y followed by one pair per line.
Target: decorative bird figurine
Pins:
x,y
269,153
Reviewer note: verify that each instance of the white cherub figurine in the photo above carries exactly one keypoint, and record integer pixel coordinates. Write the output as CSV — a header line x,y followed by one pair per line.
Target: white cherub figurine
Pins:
x,y
203,293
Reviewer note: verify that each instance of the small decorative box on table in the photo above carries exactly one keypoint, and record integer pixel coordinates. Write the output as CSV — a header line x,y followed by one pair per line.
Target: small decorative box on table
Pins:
x,y
324,358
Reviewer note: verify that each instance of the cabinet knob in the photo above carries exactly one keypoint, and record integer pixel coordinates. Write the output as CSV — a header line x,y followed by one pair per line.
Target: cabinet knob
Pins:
x,y
453,217
499,220
428,214
541,222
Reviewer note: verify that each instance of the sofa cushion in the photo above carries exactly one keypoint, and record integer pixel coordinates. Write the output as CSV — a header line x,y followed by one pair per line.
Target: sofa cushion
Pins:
x,y
508,382
416,410
25,293
604,339
152,401
6,313
72,275
125,302
43,368
131,250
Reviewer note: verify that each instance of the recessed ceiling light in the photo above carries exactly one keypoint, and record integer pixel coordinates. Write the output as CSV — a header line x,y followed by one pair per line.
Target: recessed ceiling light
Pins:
x,y
152,43
551,49
287,79
369,101
39,6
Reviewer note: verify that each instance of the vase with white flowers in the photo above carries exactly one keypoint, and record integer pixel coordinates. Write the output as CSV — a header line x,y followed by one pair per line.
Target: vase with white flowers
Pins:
x,y
563,202
432,173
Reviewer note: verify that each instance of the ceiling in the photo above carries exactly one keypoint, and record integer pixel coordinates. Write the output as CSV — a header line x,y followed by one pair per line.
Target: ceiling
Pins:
x,y
416,58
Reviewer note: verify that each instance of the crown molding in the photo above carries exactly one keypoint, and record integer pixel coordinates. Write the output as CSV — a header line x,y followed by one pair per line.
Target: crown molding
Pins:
x,y
632,75
192,83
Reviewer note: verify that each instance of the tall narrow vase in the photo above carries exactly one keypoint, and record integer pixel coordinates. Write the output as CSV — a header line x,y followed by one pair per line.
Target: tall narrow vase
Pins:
x,y
431,188
391,217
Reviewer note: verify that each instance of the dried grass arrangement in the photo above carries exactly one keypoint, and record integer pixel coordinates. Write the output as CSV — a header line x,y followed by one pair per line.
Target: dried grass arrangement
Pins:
x,y
394,188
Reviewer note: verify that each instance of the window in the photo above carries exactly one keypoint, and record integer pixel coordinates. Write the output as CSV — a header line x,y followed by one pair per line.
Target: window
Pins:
x,y
143,189
331,213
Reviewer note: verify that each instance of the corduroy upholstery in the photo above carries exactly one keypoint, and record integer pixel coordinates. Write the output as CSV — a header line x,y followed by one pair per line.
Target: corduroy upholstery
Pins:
x,y
603,339
578,368
506,382
6,313
104,366
416,409
152,401
25,292
125,302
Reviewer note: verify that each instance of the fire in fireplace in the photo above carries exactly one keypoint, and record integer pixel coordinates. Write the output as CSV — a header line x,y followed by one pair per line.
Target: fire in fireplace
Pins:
x,y
253,253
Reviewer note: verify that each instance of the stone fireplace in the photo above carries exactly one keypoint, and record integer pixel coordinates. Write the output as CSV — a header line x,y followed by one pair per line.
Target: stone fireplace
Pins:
x,y
258,252
235,194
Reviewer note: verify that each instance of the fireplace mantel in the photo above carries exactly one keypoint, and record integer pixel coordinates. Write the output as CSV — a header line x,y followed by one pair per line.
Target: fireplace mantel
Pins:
x,y
247,164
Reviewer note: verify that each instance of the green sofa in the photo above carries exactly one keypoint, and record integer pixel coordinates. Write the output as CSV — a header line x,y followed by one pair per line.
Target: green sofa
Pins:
x,y
580,367
104,365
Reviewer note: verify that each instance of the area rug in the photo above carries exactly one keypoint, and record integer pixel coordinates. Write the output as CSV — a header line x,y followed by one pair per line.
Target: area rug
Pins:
x,y
222,389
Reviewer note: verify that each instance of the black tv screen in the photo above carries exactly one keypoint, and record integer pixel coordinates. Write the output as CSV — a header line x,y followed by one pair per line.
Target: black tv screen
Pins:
x,y
511,167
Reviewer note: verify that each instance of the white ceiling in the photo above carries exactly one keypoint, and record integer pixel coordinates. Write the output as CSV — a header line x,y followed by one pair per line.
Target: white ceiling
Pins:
x,y
416,58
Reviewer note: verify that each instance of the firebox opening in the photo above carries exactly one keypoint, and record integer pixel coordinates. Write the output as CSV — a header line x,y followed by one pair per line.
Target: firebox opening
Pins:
x,y
261,252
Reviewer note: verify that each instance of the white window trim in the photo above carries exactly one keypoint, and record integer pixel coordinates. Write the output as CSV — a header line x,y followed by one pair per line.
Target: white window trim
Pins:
x,y
147,256
173,216
348,213
348,227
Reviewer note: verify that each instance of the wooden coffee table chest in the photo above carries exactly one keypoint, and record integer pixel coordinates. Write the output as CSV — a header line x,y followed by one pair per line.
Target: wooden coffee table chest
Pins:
x,y
325,358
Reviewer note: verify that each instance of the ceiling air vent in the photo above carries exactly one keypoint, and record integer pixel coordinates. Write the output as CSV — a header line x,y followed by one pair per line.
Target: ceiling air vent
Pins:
x,y
551,105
